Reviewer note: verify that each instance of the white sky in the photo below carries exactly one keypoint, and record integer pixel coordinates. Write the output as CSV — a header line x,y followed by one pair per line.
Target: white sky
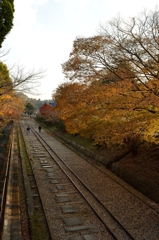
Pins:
x,y
44,31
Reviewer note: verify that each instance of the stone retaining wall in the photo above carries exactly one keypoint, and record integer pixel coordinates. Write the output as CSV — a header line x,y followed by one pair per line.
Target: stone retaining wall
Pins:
x,y
141,183
84,151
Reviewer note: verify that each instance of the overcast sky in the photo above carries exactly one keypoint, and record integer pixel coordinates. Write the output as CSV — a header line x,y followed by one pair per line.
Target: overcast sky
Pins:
x,y
44,31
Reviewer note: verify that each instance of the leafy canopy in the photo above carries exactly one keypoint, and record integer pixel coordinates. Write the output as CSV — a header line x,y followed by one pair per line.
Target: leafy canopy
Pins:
x,y
113,94
6,18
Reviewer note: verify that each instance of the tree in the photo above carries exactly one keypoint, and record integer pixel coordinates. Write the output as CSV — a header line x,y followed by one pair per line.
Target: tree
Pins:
x,y
123,51
87,60
49,113
99,111
19,80
6,18
29,108
11,105
11,108
69,99
26,81
6,84
120,70
137,42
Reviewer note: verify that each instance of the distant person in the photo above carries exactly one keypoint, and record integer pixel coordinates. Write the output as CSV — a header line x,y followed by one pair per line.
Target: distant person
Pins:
x,y
39,129
28,129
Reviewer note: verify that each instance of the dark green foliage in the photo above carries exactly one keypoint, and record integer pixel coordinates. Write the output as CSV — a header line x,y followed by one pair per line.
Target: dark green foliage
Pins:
x,y
6,18
29,108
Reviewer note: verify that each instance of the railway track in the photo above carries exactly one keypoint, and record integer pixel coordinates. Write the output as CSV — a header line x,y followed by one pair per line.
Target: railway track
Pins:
x,y
4,182
115,228
74,225
75,200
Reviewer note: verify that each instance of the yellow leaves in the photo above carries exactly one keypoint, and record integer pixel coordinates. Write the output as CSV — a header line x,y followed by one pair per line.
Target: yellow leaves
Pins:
x,y
120,91
151,131
106,113
11,107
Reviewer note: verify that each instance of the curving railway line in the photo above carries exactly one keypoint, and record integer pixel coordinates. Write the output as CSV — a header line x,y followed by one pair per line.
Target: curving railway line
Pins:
x,y
80,201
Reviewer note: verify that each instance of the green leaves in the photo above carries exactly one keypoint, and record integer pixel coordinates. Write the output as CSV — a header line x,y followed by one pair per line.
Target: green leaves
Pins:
x,y
5,80
6,18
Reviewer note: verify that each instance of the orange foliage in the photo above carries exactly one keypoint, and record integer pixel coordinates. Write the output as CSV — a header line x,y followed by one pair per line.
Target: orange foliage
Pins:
x,y
104,112
11,107
119,91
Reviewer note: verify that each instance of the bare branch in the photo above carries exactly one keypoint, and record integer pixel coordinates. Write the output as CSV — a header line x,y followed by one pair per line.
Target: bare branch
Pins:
x,y
26,81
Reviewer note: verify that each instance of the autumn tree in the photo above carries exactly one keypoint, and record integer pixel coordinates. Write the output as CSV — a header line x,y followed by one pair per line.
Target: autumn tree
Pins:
x,y
9,102
119,68
11,108
87,60
49,113
126,51
6,18
92,112
10,84
137,42
99,111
